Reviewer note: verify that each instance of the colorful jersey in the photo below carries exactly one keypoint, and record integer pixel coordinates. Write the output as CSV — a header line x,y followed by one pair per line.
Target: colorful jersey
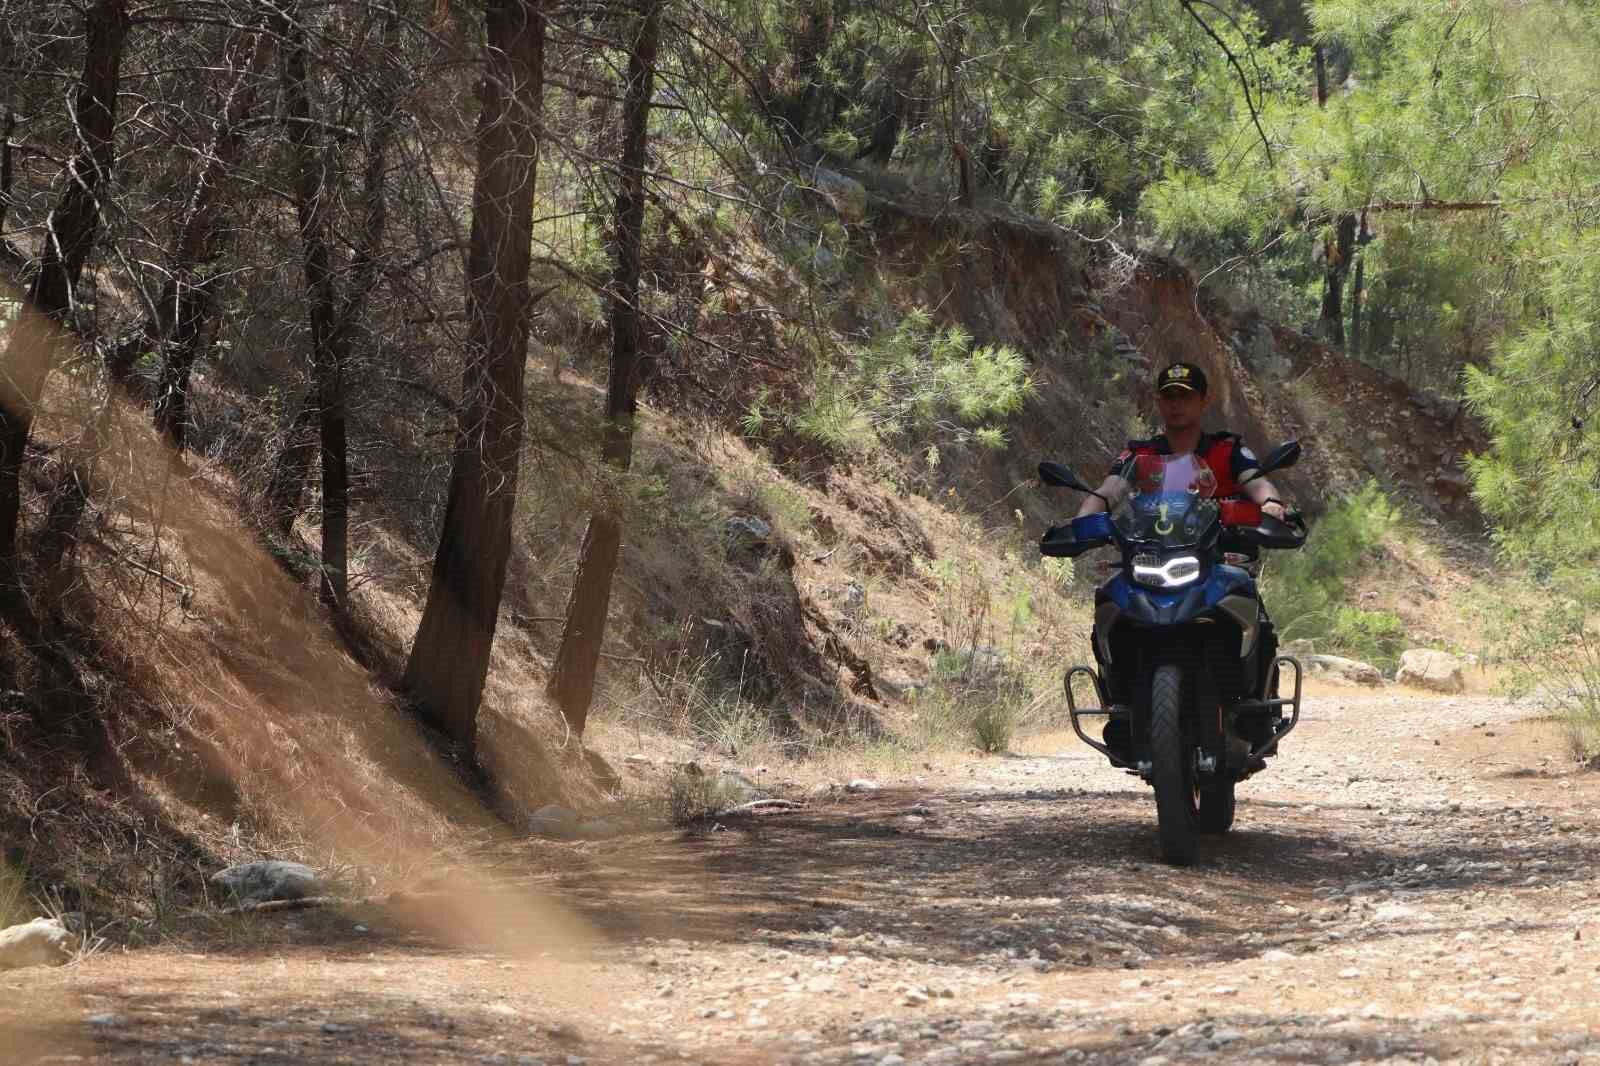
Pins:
x,y
1224,453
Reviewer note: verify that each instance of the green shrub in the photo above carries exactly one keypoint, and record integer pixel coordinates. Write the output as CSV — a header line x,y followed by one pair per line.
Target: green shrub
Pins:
x,y
1305,589
1377,637
915,379
994,725
1553,655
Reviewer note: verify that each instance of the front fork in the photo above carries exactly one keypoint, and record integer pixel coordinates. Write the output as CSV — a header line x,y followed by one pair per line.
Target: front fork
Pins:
x,y
1106,710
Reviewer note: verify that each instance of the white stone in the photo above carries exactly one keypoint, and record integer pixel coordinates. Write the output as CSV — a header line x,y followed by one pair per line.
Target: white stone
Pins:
x,y
1437,671
41,942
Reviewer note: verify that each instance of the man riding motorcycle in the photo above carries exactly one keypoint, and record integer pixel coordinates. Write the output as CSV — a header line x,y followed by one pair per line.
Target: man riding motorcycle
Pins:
x,y
1182,398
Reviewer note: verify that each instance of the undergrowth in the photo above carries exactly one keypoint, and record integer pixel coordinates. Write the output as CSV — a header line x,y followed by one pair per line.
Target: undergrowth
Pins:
x,y
1305,590
15,906
1551,654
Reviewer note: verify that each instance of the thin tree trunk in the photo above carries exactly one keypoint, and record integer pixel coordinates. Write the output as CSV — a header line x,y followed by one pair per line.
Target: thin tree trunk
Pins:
x,y
69,237
1336,266
288,480
1357,287
177,324
6,130
333,322
1337,250
572,678
314,187
450,656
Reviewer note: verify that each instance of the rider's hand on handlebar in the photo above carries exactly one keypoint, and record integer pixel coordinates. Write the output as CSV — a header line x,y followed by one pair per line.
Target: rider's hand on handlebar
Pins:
x,y
1275,508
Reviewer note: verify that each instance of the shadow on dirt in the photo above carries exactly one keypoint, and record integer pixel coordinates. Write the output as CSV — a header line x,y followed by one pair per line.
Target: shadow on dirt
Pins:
x,y
1073,879
160,1025
1298,1039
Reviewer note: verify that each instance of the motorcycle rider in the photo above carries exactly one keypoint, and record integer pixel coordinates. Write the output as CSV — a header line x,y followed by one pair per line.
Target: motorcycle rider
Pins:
x,y
1182,398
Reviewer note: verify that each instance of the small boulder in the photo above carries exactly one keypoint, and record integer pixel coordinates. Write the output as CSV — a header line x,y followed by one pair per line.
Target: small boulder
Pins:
x,y
748,526
597,829
1349,671
1438,671
554,820
845,195
41,942
267,881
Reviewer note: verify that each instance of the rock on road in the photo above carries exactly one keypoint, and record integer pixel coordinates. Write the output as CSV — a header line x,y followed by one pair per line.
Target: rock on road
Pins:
x,y
1412,881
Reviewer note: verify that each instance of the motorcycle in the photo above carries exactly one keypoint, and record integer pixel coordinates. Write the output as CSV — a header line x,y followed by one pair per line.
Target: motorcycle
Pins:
x,y
1187,661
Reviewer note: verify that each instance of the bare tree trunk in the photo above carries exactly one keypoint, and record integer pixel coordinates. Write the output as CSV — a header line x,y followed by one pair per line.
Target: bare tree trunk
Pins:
x,y
333,319
572,678
69,237
1336,266
1338,249
450,656
178,322
1357,287
288,480
6,130
314,189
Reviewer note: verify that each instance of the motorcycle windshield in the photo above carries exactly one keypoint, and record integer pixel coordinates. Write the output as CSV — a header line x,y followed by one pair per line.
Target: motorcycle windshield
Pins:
x,y
1170,503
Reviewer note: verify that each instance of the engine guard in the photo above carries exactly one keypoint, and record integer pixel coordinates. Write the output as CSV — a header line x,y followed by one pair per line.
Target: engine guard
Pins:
x,y
1105,710
1074,712
1270,747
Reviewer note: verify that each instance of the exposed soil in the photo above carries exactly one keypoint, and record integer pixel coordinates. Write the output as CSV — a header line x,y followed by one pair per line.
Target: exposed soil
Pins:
x,y
1411,882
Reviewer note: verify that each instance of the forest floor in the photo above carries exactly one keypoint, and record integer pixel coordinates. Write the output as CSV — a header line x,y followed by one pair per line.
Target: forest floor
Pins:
x,y
1412,881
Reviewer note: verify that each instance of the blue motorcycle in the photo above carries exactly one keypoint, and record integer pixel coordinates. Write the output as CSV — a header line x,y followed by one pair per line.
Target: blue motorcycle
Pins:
x,y
1188,669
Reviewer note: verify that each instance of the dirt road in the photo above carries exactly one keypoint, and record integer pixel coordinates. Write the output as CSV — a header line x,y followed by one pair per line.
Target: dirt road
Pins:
x,y
1414,881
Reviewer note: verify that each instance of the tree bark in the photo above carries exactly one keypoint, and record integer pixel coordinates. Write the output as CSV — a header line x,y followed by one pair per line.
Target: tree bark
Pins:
x,y
6,130
176,326
1336,265
289,470
572,678
1357,287
314,189
333,317
70,234
1337,249
450,656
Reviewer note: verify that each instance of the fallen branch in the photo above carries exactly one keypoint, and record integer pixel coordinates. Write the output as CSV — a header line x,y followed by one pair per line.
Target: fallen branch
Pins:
x,y
761,805
272,906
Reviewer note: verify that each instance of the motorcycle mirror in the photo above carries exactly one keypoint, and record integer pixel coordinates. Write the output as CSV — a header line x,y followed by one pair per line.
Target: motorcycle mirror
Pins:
x,y
1061,476
1280,458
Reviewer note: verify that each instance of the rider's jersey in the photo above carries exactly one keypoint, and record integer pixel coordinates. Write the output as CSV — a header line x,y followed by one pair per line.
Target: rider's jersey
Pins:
x,y
1224,453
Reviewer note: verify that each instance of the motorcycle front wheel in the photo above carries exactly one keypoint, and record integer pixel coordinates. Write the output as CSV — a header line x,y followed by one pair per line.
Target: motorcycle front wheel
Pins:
x,y
1172,769
1216,807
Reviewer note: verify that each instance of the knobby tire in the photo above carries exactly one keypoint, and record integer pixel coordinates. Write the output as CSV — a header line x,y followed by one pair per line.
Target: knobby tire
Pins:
x,y
1172,769
1216,806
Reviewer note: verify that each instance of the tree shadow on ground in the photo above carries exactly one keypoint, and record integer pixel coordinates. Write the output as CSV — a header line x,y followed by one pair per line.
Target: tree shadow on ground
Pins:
x,y
1289,1038
1076,879
180,1019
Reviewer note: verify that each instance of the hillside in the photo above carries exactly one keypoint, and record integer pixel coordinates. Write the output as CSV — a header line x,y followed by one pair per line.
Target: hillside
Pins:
x,y
190,703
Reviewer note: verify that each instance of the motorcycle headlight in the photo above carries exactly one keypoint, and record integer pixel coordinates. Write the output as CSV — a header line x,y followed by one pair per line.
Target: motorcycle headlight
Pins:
x,y
1170,573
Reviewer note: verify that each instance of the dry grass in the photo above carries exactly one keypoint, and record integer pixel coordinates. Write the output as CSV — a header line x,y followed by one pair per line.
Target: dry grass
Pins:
x,y
243,727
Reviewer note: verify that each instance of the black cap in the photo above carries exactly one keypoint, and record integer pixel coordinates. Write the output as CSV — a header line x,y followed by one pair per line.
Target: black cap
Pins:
x,y
1185,376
